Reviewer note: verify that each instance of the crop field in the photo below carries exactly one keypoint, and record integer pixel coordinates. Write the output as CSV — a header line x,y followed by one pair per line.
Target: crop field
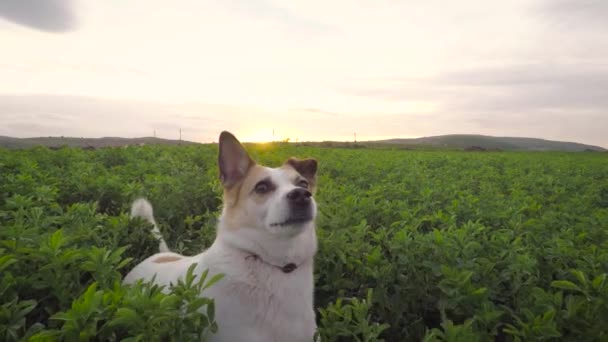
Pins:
x,y
413,245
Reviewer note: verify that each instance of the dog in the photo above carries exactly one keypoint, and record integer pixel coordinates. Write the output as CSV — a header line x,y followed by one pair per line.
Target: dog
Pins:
x,y
264,246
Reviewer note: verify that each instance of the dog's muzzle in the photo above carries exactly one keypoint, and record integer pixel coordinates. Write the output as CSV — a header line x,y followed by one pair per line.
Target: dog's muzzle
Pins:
x,y
299,198
300,204
300,207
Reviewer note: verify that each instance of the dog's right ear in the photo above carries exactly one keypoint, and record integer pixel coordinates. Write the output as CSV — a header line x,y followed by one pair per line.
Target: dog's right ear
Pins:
x,y
233,160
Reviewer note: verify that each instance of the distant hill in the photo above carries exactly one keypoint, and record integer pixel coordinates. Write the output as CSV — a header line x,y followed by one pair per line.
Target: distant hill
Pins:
x,y
454,141
483,142
53,142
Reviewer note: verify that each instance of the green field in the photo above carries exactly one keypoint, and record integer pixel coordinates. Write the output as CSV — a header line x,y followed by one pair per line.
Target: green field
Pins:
x,y
414,245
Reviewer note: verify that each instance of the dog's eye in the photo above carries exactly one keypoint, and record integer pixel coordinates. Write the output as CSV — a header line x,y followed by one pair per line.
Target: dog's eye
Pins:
x,y
303,184
262,187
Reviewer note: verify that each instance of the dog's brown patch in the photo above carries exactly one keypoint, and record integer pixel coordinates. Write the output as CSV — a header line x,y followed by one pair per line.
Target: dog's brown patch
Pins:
x,y
307,168
235,196
166,259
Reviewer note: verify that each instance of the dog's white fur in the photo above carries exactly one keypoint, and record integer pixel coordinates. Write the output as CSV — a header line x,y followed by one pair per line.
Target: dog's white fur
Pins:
x,y
256,300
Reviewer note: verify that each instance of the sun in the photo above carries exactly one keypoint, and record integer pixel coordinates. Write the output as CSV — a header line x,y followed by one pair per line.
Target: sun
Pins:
x,y
258,136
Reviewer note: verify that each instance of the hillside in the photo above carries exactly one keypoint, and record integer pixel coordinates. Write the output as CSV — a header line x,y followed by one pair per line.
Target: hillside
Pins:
x,y
463,141
16,143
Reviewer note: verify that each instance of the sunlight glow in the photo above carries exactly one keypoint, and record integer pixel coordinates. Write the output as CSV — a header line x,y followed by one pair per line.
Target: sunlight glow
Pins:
x,y
261,135
257,136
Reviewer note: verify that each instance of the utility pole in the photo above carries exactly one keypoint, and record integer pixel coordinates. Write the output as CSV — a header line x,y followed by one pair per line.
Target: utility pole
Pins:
x,y
273,135
180,134
355,137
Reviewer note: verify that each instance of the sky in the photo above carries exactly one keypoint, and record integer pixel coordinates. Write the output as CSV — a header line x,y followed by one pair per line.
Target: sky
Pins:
x,y
310,70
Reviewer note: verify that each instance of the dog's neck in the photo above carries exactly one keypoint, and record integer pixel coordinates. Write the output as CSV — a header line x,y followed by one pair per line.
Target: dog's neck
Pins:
x,y
276,251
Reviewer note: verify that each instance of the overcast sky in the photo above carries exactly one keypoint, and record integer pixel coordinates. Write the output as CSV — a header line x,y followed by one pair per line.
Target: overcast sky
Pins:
x,y
312,70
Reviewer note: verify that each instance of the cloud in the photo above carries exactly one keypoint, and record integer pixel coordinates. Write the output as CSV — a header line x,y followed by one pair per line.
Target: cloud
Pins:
x,y
313,111
576,13
525,87
552,100
283,17
570,30
532,87
45,15
61,115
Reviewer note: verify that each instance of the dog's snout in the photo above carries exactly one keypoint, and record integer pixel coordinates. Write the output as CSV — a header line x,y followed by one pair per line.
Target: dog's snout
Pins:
x,y
299,196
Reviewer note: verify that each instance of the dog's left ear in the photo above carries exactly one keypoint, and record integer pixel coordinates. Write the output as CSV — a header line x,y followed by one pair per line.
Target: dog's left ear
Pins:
x,y
306,167
233,160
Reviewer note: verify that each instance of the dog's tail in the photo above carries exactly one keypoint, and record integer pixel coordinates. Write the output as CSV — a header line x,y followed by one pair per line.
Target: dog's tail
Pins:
x,y
142,208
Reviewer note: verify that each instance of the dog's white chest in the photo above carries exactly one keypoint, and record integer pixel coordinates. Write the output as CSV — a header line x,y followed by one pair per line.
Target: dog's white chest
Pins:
x,y
269,307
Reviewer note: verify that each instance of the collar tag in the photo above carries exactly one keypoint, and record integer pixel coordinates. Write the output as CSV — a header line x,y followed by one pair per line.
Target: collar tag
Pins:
x,y
289,268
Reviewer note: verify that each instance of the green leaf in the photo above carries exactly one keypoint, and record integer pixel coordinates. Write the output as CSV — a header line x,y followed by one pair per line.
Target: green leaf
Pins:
x,y
125,317
599,281
56,240
565,285
27,307
582,279
480,291
62,316
211,311
216,278
6,261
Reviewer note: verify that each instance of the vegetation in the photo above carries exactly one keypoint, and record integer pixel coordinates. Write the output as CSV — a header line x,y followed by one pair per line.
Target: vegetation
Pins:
x,y
433,246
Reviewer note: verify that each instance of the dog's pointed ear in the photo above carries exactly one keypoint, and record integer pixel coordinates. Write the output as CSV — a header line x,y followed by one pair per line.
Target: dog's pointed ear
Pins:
x,y
233,160
306,167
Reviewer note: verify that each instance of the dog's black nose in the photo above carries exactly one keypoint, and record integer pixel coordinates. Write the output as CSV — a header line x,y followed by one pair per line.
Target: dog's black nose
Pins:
x,y
299,196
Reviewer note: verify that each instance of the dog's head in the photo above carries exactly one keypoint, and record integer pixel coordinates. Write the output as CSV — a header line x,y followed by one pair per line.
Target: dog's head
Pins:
x,y
278,201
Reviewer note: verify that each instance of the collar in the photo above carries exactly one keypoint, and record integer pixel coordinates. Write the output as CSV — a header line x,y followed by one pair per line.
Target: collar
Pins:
x,y
287,268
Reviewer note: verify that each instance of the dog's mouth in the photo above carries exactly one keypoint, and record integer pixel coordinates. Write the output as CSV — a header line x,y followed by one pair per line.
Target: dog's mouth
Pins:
x,y
292,221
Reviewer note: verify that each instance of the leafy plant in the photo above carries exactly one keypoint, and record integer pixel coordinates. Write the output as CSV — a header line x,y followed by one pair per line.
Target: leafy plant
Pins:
x,y
350,320
456,246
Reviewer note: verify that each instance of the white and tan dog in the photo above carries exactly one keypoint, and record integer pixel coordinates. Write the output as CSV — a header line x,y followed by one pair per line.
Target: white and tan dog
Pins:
x,y
265,246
